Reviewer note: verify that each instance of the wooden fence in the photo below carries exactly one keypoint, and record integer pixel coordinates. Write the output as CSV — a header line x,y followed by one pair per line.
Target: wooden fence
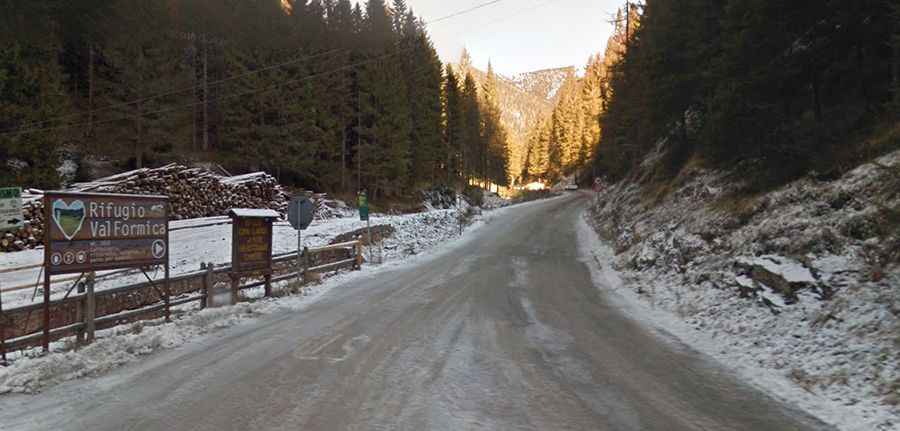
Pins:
x,y
21,327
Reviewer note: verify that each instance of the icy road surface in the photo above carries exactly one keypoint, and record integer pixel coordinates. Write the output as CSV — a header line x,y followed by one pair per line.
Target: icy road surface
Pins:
x,y
503,332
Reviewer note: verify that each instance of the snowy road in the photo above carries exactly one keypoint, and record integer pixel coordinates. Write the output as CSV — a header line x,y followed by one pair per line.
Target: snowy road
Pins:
x,y
505,331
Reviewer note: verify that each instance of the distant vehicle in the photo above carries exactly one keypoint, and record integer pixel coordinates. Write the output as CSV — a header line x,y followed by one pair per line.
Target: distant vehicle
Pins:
x,y
572,187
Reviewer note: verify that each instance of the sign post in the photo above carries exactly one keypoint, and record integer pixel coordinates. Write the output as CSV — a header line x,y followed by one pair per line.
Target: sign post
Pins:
x,y
251,246
88,232
301,212
10,219
363,204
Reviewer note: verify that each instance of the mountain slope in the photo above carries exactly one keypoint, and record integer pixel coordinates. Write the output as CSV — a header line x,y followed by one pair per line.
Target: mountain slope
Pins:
x,y
544,83
525,100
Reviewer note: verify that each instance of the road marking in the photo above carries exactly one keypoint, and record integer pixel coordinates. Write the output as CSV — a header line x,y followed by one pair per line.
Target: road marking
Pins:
x,y
314,355
350,347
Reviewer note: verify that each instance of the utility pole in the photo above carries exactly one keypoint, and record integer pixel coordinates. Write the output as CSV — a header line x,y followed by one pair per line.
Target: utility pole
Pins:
x,y
205,93
627,24
344,159
91,89
139,150
359,139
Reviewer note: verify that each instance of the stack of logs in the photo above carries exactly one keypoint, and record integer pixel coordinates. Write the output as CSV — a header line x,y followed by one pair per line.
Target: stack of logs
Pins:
x,y
31,234
193,193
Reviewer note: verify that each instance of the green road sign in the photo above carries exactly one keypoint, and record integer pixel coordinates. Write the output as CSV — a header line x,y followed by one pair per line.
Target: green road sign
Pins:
x,y
11,208
363,203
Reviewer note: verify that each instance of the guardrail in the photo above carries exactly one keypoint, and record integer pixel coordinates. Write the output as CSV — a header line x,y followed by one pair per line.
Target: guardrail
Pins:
x,y
22,327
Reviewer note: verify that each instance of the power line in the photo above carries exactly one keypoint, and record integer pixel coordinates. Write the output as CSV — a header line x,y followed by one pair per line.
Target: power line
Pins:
x,y
21,129
463,12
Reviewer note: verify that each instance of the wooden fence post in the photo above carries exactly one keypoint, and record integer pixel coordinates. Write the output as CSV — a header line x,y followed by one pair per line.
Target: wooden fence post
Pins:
x,y
79,314
268,288
90,307
235,288
359,255
208,284
307,262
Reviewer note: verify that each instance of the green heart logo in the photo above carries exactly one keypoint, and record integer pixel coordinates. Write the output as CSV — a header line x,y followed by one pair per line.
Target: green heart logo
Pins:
x,y
68,217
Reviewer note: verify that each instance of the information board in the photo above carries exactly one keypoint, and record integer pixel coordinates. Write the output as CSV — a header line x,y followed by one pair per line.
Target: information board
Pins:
x,y
95,232
10,208
252,245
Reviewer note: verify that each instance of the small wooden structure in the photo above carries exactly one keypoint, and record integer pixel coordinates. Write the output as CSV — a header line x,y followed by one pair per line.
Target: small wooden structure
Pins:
x,y
251,247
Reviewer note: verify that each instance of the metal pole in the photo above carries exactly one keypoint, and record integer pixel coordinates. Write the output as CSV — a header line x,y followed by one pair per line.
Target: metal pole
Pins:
x,y
299,256
46,268
168,261
369,232
459,214
46,336
90,309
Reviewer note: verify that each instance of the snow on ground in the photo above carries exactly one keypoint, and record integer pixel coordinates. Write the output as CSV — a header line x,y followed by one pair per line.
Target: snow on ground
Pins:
x,y
417,237
192,246
788,289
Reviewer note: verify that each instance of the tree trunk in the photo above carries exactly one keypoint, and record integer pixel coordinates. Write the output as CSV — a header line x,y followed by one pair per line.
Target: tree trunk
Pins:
x,y
895,72
139,148
817,98
344,159
205,94
449,149
359,139
90,90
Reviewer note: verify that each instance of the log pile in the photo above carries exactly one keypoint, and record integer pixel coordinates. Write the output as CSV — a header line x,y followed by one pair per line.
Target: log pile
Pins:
x,y
327,208
193,192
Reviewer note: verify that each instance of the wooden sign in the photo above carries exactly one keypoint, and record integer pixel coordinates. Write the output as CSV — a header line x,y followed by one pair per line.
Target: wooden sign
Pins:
x,y
251,242
95,232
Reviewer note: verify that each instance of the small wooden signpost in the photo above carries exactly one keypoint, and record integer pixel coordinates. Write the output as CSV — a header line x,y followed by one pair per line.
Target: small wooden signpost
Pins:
x,y
251,247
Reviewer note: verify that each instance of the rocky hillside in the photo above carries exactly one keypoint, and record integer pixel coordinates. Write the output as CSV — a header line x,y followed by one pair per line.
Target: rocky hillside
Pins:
x,y
803,281
544,83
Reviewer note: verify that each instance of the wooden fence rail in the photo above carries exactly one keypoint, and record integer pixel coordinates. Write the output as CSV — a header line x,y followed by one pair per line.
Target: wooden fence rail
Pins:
x,y
23,325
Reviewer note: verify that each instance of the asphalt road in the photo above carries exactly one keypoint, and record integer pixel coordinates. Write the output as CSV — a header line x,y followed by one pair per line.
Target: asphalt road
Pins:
x,y
504,332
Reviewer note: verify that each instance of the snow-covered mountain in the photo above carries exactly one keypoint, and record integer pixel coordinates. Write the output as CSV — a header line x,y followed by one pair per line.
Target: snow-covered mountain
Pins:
x,y
525,99
543,83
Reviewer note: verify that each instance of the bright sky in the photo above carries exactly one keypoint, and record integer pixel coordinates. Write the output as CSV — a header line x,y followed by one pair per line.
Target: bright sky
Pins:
x,y
520,35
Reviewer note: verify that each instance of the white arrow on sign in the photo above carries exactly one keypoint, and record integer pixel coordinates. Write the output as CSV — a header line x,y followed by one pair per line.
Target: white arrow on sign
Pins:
x,y
159,249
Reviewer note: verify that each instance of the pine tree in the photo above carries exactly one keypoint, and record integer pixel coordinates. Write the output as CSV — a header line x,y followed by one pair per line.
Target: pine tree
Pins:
x,y
30,93
472,146
424,69
454,124
495,157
